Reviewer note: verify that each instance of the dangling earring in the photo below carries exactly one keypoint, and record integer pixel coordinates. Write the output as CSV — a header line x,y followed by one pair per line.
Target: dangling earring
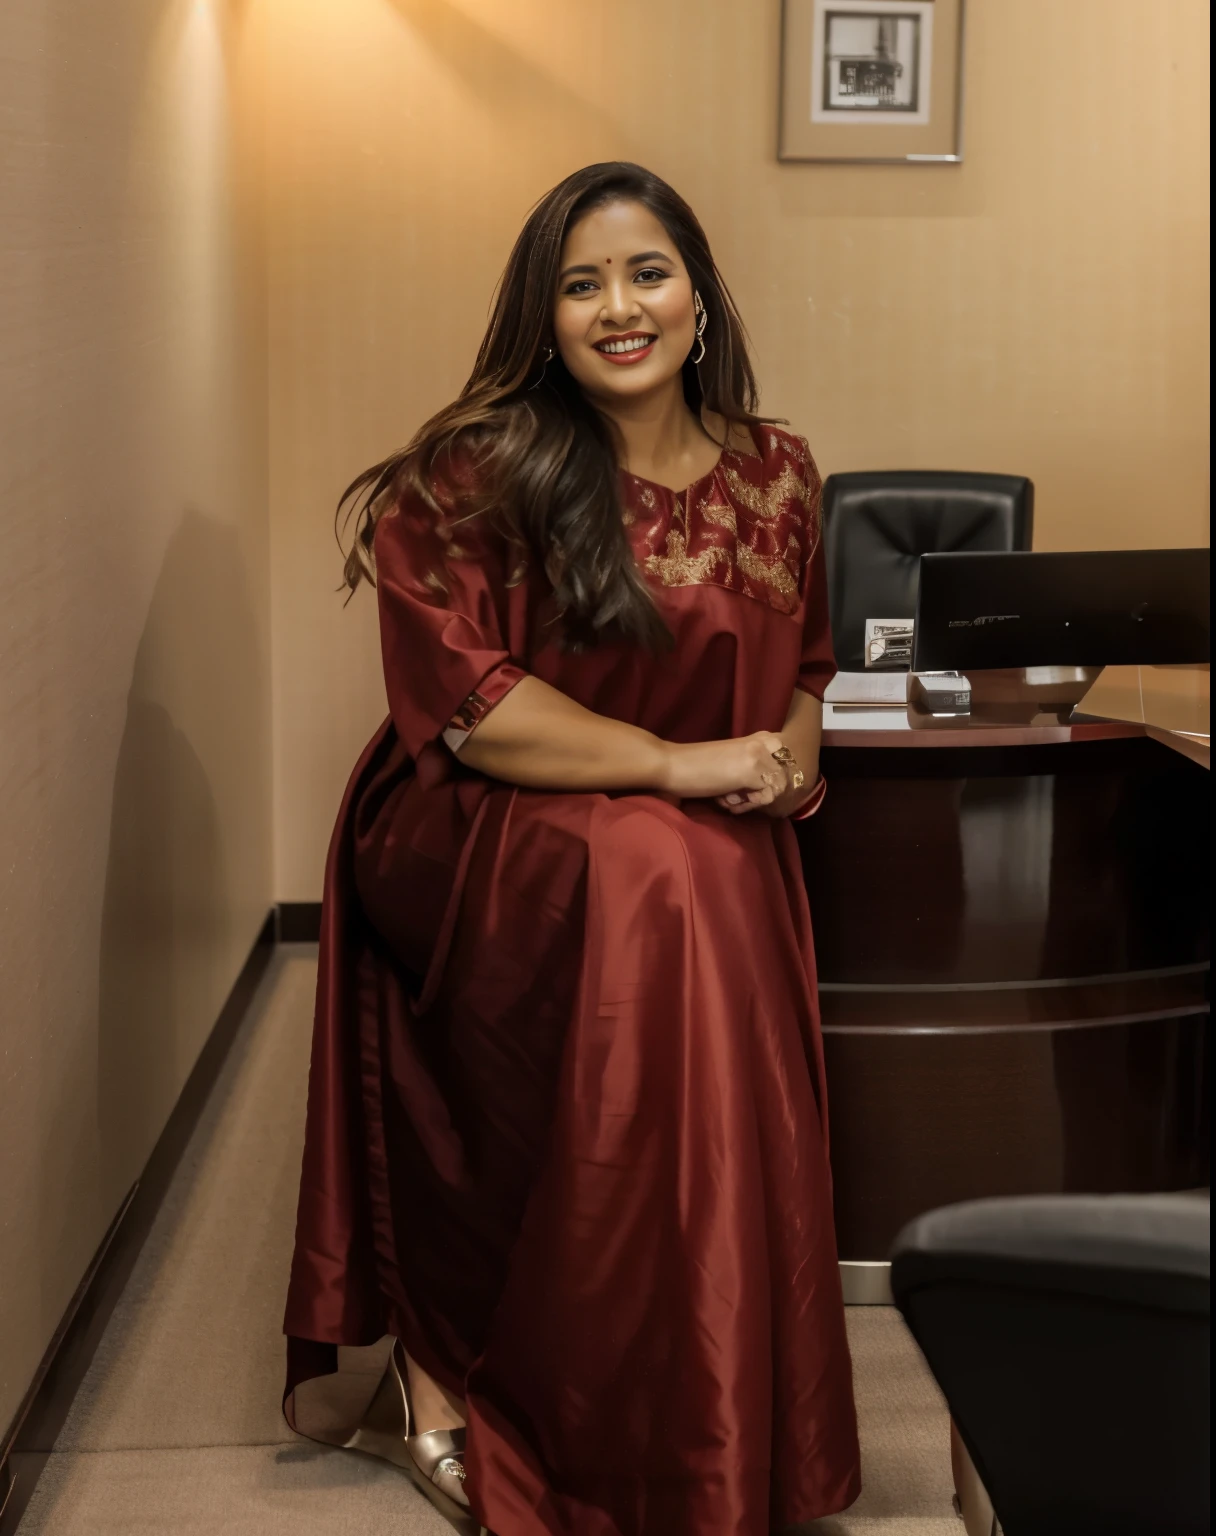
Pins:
x,y
546,359
702,315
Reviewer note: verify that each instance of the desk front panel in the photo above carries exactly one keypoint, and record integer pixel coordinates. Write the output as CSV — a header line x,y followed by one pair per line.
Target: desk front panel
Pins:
x,y
1013,960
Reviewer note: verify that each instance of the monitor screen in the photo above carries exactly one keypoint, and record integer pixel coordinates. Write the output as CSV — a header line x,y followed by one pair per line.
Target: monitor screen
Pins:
x,y
1028,609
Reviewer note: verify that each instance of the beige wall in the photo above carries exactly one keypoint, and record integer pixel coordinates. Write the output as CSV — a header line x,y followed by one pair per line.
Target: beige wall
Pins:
x,y
135,862
1041,309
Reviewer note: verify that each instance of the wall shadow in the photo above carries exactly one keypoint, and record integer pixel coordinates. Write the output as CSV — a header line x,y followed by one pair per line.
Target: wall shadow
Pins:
x,y
489,66
183,877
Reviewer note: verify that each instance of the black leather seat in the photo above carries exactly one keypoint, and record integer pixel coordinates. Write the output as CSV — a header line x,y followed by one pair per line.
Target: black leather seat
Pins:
x,y
877,525
1070,1336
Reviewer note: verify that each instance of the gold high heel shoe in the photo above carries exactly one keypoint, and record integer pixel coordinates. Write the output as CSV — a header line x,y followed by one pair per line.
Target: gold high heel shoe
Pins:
x,y
433,1459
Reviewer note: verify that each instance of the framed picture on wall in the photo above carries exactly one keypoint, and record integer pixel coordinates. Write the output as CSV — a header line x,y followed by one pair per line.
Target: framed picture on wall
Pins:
x,y
872,80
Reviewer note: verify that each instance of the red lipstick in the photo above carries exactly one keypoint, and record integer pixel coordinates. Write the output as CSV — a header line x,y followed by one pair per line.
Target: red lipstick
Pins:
x,y
629,354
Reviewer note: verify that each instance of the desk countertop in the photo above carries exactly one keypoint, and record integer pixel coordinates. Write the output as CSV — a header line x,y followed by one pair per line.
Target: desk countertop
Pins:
x,y
1170,704
909,727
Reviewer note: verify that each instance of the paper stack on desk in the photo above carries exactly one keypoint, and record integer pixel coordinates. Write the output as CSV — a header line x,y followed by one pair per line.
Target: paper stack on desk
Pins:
x,y
871,690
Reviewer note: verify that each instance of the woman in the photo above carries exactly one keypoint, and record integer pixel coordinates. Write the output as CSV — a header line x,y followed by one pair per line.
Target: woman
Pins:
x,y
567,1133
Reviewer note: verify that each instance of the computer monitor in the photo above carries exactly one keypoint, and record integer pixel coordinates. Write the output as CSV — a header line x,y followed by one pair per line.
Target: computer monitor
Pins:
x,y
977,610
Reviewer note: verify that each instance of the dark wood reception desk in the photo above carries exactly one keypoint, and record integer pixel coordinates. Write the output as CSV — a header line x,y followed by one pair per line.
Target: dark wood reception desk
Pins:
x,y
1011,923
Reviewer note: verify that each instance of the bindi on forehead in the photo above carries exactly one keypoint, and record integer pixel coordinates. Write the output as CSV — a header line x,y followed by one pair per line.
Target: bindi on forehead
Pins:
x,y
608,259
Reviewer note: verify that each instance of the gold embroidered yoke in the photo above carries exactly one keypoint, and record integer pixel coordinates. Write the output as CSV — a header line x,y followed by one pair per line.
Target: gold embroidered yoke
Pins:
x,y
751,525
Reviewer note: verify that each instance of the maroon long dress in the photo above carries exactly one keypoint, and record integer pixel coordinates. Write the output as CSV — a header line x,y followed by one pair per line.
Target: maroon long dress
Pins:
x,y
567,1128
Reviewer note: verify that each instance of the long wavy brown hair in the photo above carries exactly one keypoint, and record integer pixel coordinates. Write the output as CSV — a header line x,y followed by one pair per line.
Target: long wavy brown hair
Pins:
x,y
545,460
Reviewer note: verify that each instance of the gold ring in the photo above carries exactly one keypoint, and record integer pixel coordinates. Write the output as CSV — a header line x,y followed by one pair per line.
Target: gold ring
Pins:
x,y
783,755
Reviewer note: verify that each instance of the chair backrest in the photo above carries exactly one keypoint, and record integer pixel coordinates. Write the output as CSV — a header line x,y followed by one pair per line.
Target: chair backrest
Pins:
x,y
878,524
1070,1337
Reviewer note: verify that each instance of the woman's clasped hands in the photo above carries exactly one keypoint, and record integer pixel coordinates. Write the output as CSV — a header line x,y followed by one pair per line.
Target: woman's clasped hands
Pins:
x,y
742,774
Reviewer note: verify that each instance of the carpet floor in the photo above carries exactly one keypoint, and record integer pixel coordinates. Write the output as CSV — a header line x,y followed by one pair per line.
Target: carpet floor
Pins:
x,y
176,1430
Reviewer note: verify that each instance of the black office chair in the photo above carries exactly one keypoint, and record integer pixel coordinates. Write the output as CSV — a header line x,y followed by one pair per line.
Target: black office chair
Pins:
x,y
1070,1337
877,525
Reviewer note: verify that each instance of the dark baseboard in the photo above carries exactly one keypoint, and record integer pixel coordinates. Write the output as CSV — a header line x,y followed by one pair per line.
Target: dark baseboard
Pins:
x,y
28,1441
299,922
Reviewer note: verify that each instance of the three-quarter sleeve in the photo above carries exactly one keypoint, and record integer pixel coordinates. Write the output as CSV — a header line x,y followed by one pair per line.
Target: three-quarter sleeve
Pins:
x,y
442,599
818,664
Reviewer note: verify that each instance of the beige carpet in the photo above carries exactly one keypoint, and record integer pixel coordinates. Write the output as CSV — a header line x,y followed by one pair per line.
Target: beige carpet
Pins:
x,y
177,1427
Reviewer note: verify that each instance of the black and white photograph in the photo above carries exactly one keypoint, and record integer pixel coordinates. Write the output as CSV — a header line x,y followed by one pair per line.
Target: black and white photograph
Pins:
x,y
872,80
871,61
888,642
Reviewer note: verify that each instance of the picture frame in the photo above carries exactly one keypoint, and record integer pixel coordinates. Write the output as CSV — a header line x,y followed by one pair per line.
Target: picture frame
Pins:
x,y
876,82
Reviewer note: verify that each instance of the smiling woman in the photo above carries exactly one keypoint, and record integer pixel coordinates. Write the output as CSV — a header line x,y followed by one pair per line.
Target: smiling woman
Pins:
x,y
567,1125
595,303
532,414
